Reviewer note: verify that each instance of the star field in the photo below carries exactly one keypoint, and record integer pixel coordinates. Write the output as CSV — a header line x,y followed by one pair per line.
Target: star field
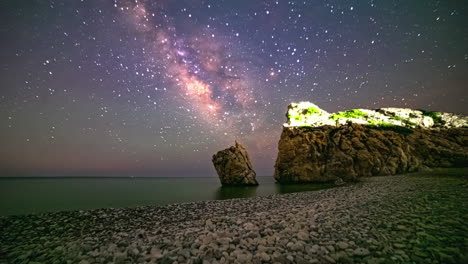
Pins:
x,y
154,88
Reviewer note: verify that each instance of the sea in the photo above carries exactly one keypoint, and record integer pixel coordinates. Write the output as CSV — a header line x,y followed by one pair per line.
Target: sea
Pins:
x,y
32,195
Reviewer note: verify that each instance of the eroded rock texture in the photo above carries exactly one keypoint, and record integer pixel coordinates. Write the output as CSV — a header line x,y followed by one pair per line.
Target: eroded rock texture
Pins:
x,y
234,167
329,153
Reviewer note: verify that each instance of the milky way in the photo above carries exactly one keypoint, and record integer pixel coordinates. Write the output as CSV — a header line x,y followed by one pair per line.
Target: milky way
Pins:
x,y
154,88
204,69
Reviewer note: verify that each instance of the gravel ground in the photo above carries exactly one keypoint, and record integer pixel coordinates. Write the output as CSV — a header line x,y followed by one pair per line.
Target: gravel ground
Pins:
x,y
414,218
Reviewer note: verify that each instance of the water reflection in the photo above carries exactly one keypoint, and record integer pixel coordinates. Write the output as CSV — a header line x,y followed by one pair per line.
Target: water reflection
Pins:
x,y
57,194
230,192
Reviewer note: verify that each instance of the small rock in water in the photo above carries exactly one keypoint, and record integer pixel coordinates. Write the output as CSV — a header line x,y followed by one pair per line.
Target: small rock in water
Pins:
x,y
234,167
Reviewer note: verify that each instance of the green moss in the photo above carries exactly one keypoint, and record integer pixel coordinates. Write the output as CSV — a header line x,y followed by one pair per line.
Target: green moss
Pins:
x,y
353,113
404,120
312,110
387,126
336,116
434,115
409,123
372,122
399,118
296,117
306,112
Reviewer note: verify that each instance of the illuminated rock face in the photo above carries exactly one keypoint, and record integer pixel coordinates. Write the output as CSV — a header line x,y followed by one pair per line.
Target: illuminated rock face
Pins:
x,y
234,167
308,114
367,142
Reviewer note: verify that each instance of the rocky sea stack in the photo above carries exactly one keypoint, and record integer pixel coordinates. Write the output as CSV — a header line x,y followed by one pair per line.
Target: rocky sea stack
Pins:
x,y
316,146
234,167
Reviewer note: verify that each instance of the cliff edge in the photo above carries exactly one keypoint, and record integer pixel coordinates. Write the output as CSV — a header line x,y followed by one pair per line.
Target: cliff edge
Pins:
x,y
317,146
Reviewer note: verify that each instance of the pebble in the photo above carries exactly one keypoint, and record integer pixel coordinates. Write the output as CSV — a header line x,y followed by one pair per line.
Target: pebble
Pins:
x,y
303,236
361,252
342,245
264,256
398,245
329,259
243,258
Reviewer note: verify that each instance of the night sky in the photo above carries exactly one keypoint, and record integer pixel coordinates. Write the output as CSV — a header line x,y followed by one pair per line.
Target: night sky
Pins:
x,y
155,88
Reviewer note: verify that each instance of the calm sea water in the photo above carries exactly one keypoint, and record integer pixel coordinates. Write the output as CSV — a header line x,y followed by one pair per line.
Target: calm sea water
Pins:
x,y
25,196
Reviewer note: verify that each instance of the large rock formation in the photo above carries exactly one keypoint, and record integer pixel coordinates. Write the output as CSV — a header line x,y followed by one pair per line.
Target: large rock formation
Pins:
x,y
316,146
234,167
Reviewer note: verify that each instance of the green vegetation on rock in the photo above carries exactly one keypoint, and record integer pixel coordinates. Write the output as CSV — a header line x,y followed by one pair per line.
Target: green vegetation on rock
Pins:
x,y
434,115
295,116
312,110
309,114
387,126
404,120
353,113
300,116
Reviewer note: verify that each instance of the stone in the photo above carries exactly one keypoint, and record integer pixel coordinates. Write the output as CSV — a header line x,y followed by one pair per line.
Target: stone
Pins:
x,y
244,257
156,253
209,224
263,256
361,252
250,226
303,236
366,143
234,167
329,259
120,257
342,245
399,245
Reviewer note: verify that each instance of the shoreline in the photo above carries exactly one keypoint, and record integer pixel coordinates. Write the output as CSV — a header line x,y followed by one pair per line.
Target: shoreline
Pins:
x,y
56,195
405,218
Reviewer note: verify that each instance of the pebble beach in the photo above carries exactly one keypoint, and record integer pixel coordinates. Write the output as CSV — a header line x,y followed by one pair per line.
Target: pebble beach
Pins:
x,y
412,218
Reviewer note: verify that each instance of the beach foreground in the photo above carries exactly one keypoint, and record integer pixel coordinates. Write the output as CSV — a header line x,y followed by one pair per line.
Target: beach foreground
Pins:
x,y
418,218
